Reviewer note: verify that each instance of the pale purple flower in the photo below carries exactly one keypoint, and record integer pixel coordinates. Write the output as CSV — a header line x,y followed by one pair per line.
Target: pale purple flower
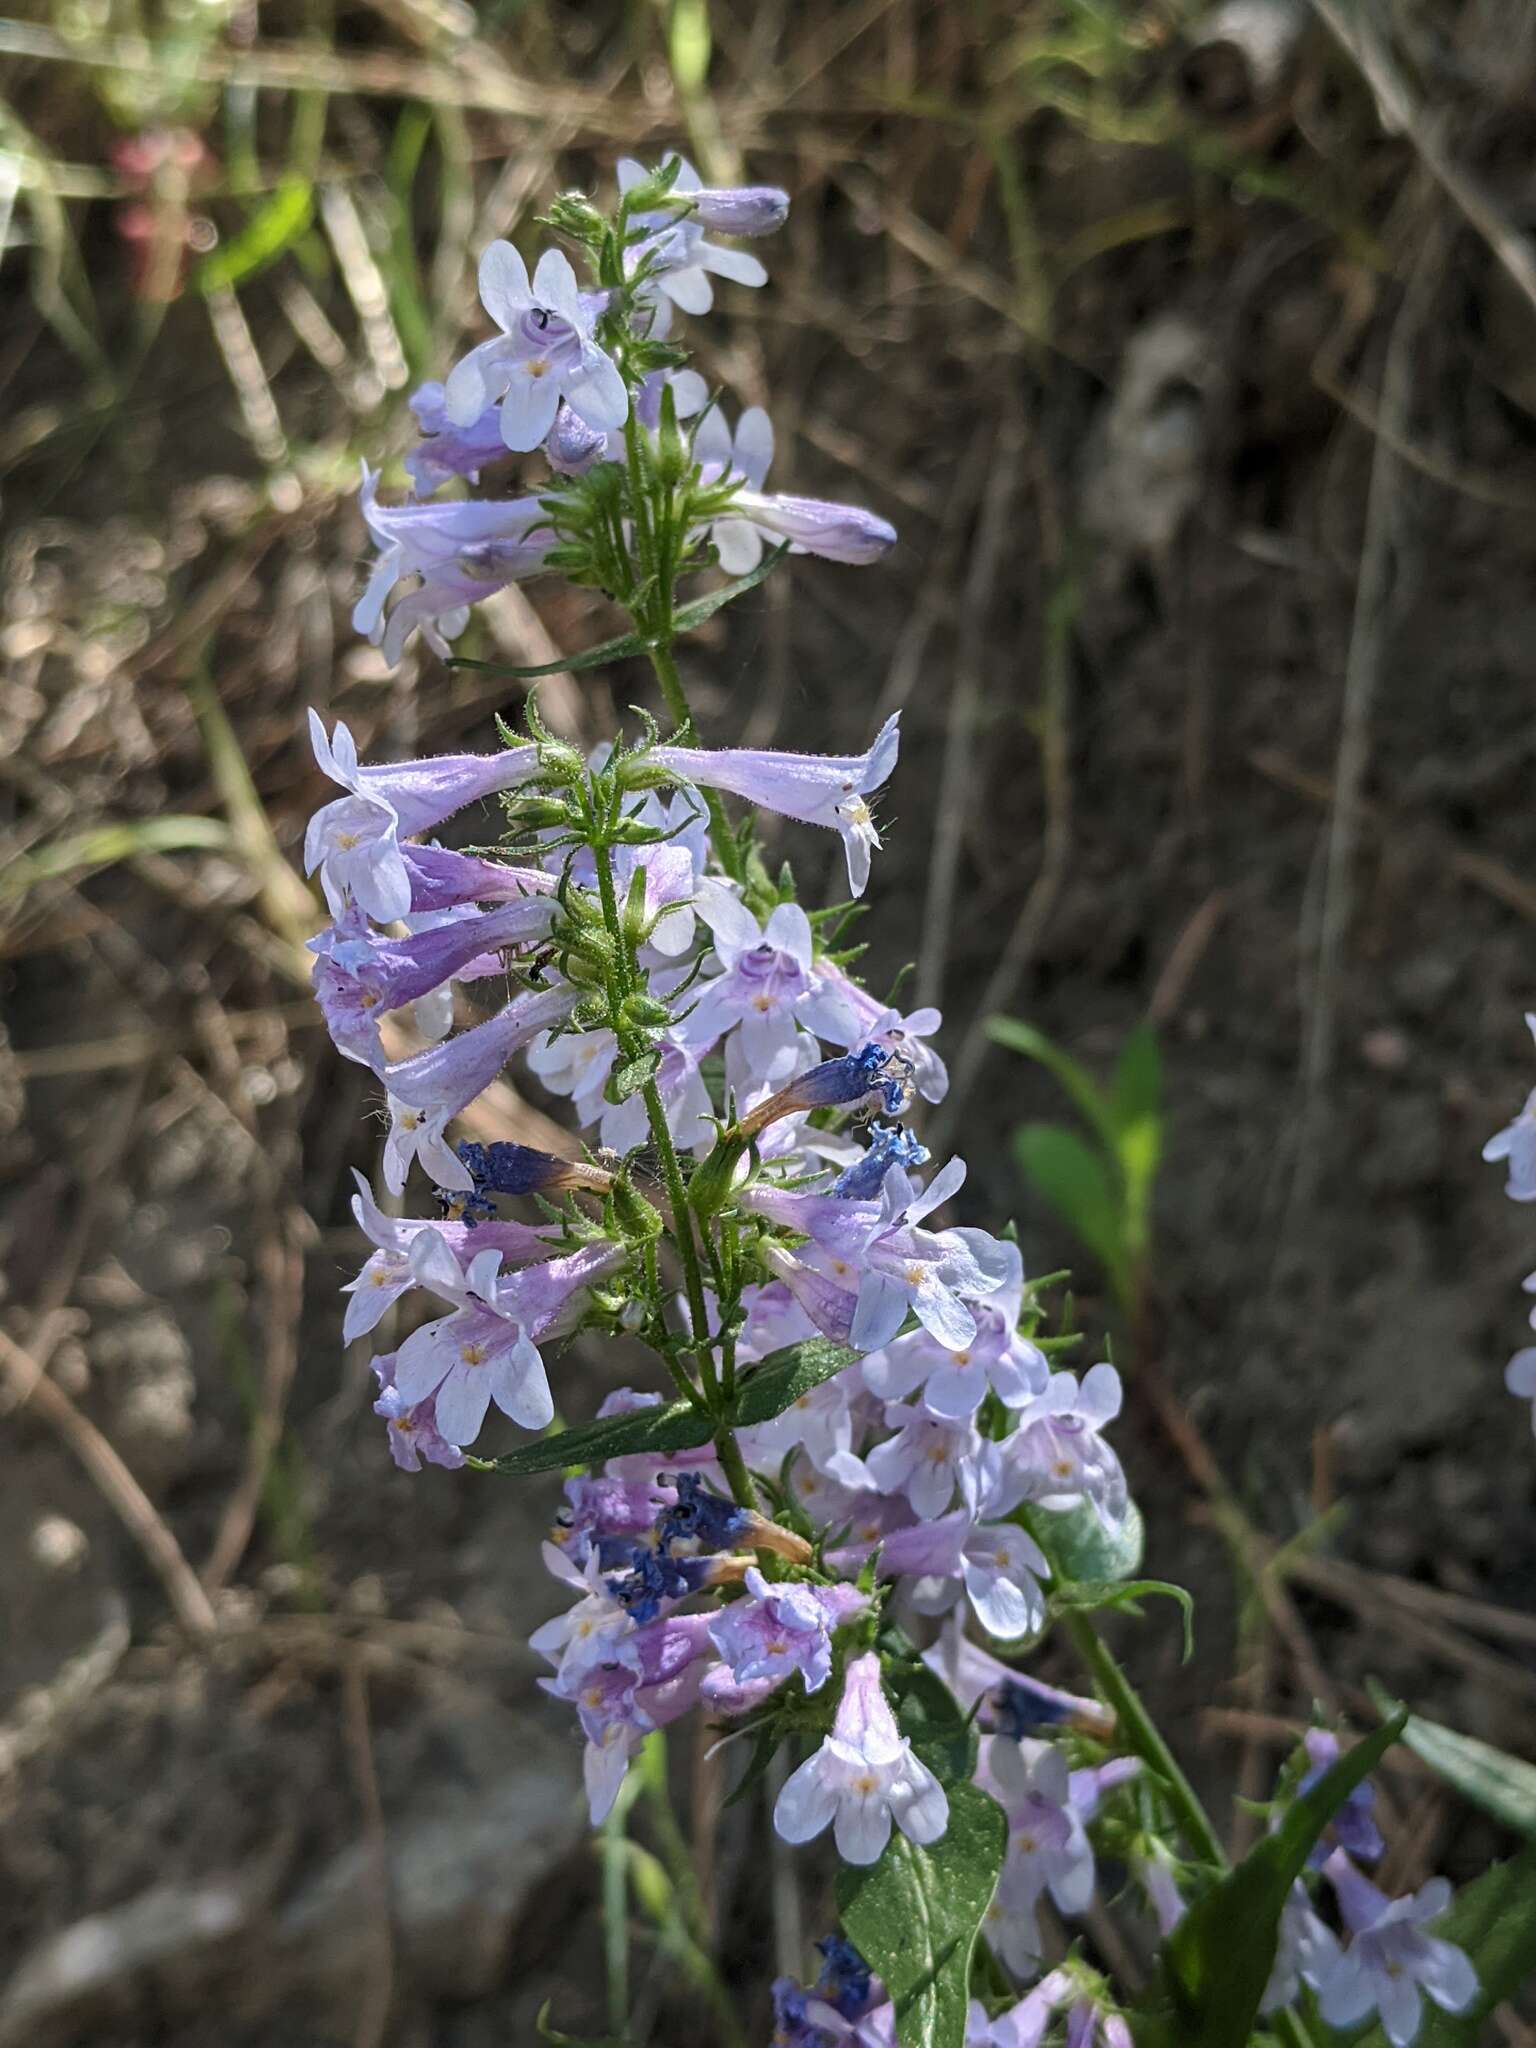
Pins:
x,y
442,880
386,1274
681,260
953,1383
813,526
482,1352
862,1777
827,1306
934,1274
607,1506
997,1565
545,352
652,1678
578,1063
1353,1826
1058,1457
413,1434
589,1633
846,1014
819,789
1003,1571
774,1319
744,455
818,1422
924,1460
1516,1143
740,209
909,1549
1012,1701
446,1077
777,1630
355,841
571,446
1091,2025
894,1264
359,977
421,1134
1390,1964
1024,2025
1154,1873
1520,1378
1048,1846
445,450
751,1003
463,549
1306,1950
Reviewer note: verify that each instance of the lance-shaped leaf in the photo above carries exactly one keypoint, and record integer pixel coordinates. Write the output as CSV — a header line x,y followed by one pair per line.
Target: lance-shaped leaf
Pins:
x,y
767,1390
914,1916
684,620
1218,1960
1499,1783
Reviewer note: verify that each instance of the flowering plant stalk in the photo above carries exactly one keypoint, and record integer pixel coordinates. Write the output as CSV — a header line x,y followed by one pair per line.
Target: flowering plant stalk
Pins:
x,y
862,1489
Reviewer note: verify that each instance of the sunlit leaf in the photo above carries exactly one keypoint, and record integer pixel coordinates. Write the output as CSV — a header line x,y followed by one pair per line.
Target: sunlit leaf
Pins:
x,y
914,1917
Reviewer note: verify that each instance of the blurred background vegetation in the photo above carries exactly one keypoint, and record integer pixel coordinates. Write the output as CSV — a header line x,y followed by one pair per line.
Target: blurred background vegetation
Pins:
x,y
1191,351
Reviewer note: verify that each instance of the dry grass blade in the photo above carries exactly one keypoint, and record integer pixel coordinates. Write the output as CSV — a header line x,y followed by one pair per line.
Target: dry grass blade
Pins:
x,y
30,1385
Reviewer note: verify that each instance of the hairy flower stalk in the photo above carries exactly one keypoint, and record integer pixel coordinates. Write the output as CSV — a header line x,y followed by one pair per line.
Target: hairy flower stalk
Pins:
x,y
852,1426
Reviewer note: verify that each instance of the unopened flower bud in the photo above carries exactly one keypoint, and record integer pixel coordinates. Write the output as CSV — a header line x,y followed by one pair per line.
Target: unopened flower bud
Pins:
x,y
740,209
536,813
636,1216
572,446
644,1013
838,533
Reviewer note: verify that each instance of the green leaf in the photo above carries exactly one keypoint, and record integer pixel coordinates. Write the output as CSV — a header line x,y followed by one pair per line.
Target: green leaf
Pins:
x,y
705,607
569,664
627,644
1217,1961
1136,1093
1500,1784
1088,1597
674,1426
275,225
914,1917
1494,1920
1081,1547
767,1390
1074,1077
632,1076
1076,1182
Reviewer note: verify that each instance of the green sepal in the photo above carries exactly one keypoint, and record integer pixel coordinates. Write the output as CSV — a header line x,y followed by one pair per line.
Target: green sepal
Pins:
x,y
709,1187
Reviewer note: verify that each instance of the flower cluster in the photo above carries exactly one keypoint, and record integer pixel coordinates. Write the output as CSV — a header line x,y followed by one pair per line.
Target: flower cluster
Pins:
x,y
1516,1146
854,1498
1387,1965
